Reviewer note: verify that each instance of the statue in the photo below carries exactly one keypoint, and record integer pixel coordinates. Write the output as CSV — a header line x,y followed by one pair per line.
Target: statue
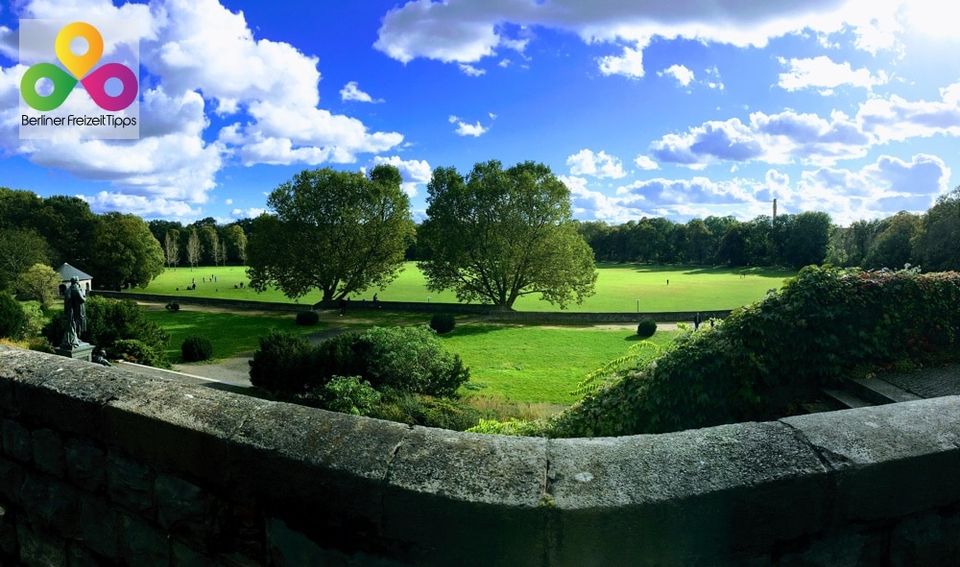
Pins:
x,y
76,312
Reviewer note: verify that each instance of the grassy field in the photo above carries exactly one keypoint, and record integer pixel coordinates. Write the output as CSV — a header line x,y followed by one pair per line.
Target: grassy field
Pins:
x,y
537,364
516,364
620,287
232,334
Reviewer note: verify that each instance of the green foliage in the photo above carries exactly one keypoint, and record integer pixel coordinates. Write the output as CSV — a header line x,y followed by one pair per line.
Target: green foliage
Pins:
x,y
39,282
110,320
762,359
133,350
351,395
646,328
443,323
336,231
637,356
35,320
127,252
512,426
19,249
12,318
195,349
282,364
892,248
936,244
410,359
428,411
40,344
513,236
307,318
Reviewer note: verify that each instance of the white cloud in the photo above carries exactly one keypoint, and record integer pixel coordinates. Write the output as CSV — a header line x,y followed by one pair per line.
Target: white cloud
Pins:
x,y
713,79
415,172
466,129
472,71
140,205
228,202
680,73
600,164
789,136
823,73
252,213
351,91
193,47
463,31
645,163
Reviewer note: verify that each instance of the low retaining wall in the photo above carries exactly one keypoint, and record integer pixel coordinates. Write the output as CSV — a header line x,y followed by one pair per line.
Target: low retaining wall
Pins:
x,y
487,311
100,465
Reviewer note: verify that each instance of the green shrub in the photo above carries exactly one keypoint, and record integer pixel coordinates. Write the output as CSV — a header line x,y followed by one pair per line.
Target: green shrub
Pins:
x,y
283,363
40,344
512,426
133,350
646,328
307,318
427,411
442,323
110,320
825,324
12,318
348,395
195,349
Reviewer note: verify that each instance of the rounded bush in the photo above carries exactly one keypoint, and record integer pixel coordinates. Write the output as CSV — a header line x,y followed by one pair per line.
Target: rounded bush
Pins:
x,y
12,318
646,328
133,350
196,348
351,395
283,363
172,306
307,318
442,323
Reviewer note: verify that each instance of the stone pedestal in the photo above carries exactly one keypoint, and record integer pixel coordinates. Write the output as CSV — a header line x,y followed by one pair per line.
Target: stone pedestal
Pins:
x,y
82,352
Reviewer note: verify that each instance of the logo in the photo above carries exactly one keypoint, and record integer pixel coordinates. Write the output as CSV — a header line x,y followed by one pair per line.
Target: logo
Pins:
x,y
79,67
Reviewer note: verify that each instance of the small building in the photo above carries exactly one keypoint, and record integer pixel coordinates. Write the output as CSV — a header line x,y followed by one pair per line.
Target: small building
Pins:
x,y
66,271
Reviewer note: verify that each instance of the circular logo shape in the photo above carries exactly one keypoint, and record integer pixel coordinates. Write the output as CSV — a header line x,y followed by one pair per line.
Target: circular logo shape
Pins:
x,y
94,82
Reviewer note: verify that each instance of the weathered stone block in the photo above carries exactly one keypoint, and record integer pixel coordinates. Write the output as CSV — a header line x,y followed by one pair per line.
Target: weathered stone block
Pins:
x,y
38,548
926,539
185,556
16,441
78,556
182,506
8,534
141,543
99,526
50,503
11,480
48,451
86,464
130,484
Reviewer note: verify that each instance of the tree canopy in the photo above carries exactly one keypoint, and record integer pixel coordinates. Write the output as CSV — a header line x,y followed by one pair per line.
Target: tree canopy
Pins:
x,y
497,234
126,251
336,231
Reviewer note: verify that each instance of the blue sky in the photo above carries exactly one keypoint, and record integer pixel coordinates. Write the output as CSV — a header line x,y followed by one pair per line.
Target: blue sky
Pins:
x,y
646,108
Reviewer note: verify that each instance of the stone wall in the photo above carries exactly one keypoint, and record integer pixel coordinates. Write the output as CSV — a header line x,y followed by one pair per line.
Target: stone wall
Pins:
x,y
102,466
487,311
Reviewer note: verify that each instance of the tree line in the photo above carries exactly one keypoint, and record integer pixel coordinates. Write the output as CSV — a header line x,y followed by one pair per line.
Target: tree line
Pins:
x,y
202,242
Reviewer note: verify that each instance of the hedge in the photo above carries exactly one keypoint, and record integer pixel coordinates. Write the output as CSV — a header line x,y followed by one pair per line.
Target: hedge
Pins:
x,y
825,324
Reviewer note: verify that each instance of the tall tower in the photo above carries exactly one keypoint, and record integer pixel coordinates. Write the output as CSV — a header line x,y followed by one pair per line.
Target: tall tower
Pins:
x,y
774,209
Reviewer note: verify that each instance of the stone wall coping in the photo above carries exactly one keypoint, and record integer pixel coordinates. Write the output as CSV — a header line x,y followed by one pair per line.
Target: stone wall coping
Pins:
x,y
735,488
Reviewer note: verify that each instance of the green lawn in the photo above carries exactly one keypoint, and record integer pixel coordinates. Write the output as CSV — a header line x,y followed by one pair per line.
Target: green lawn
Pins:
x,y
537,364
619,288
232,334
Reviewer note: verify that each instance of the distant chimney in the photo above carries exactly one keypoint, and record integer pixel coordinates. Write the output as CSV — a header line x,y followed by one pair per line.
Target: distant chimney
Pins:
x,y
774,209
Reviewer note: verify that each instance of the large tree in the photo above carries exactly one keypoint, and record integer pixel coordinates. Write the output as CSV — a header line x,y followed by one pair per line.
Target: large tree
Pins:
x,y
126,252
236,243
171,247
336,231
39,282
193,248
19,249
496,235
937,245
